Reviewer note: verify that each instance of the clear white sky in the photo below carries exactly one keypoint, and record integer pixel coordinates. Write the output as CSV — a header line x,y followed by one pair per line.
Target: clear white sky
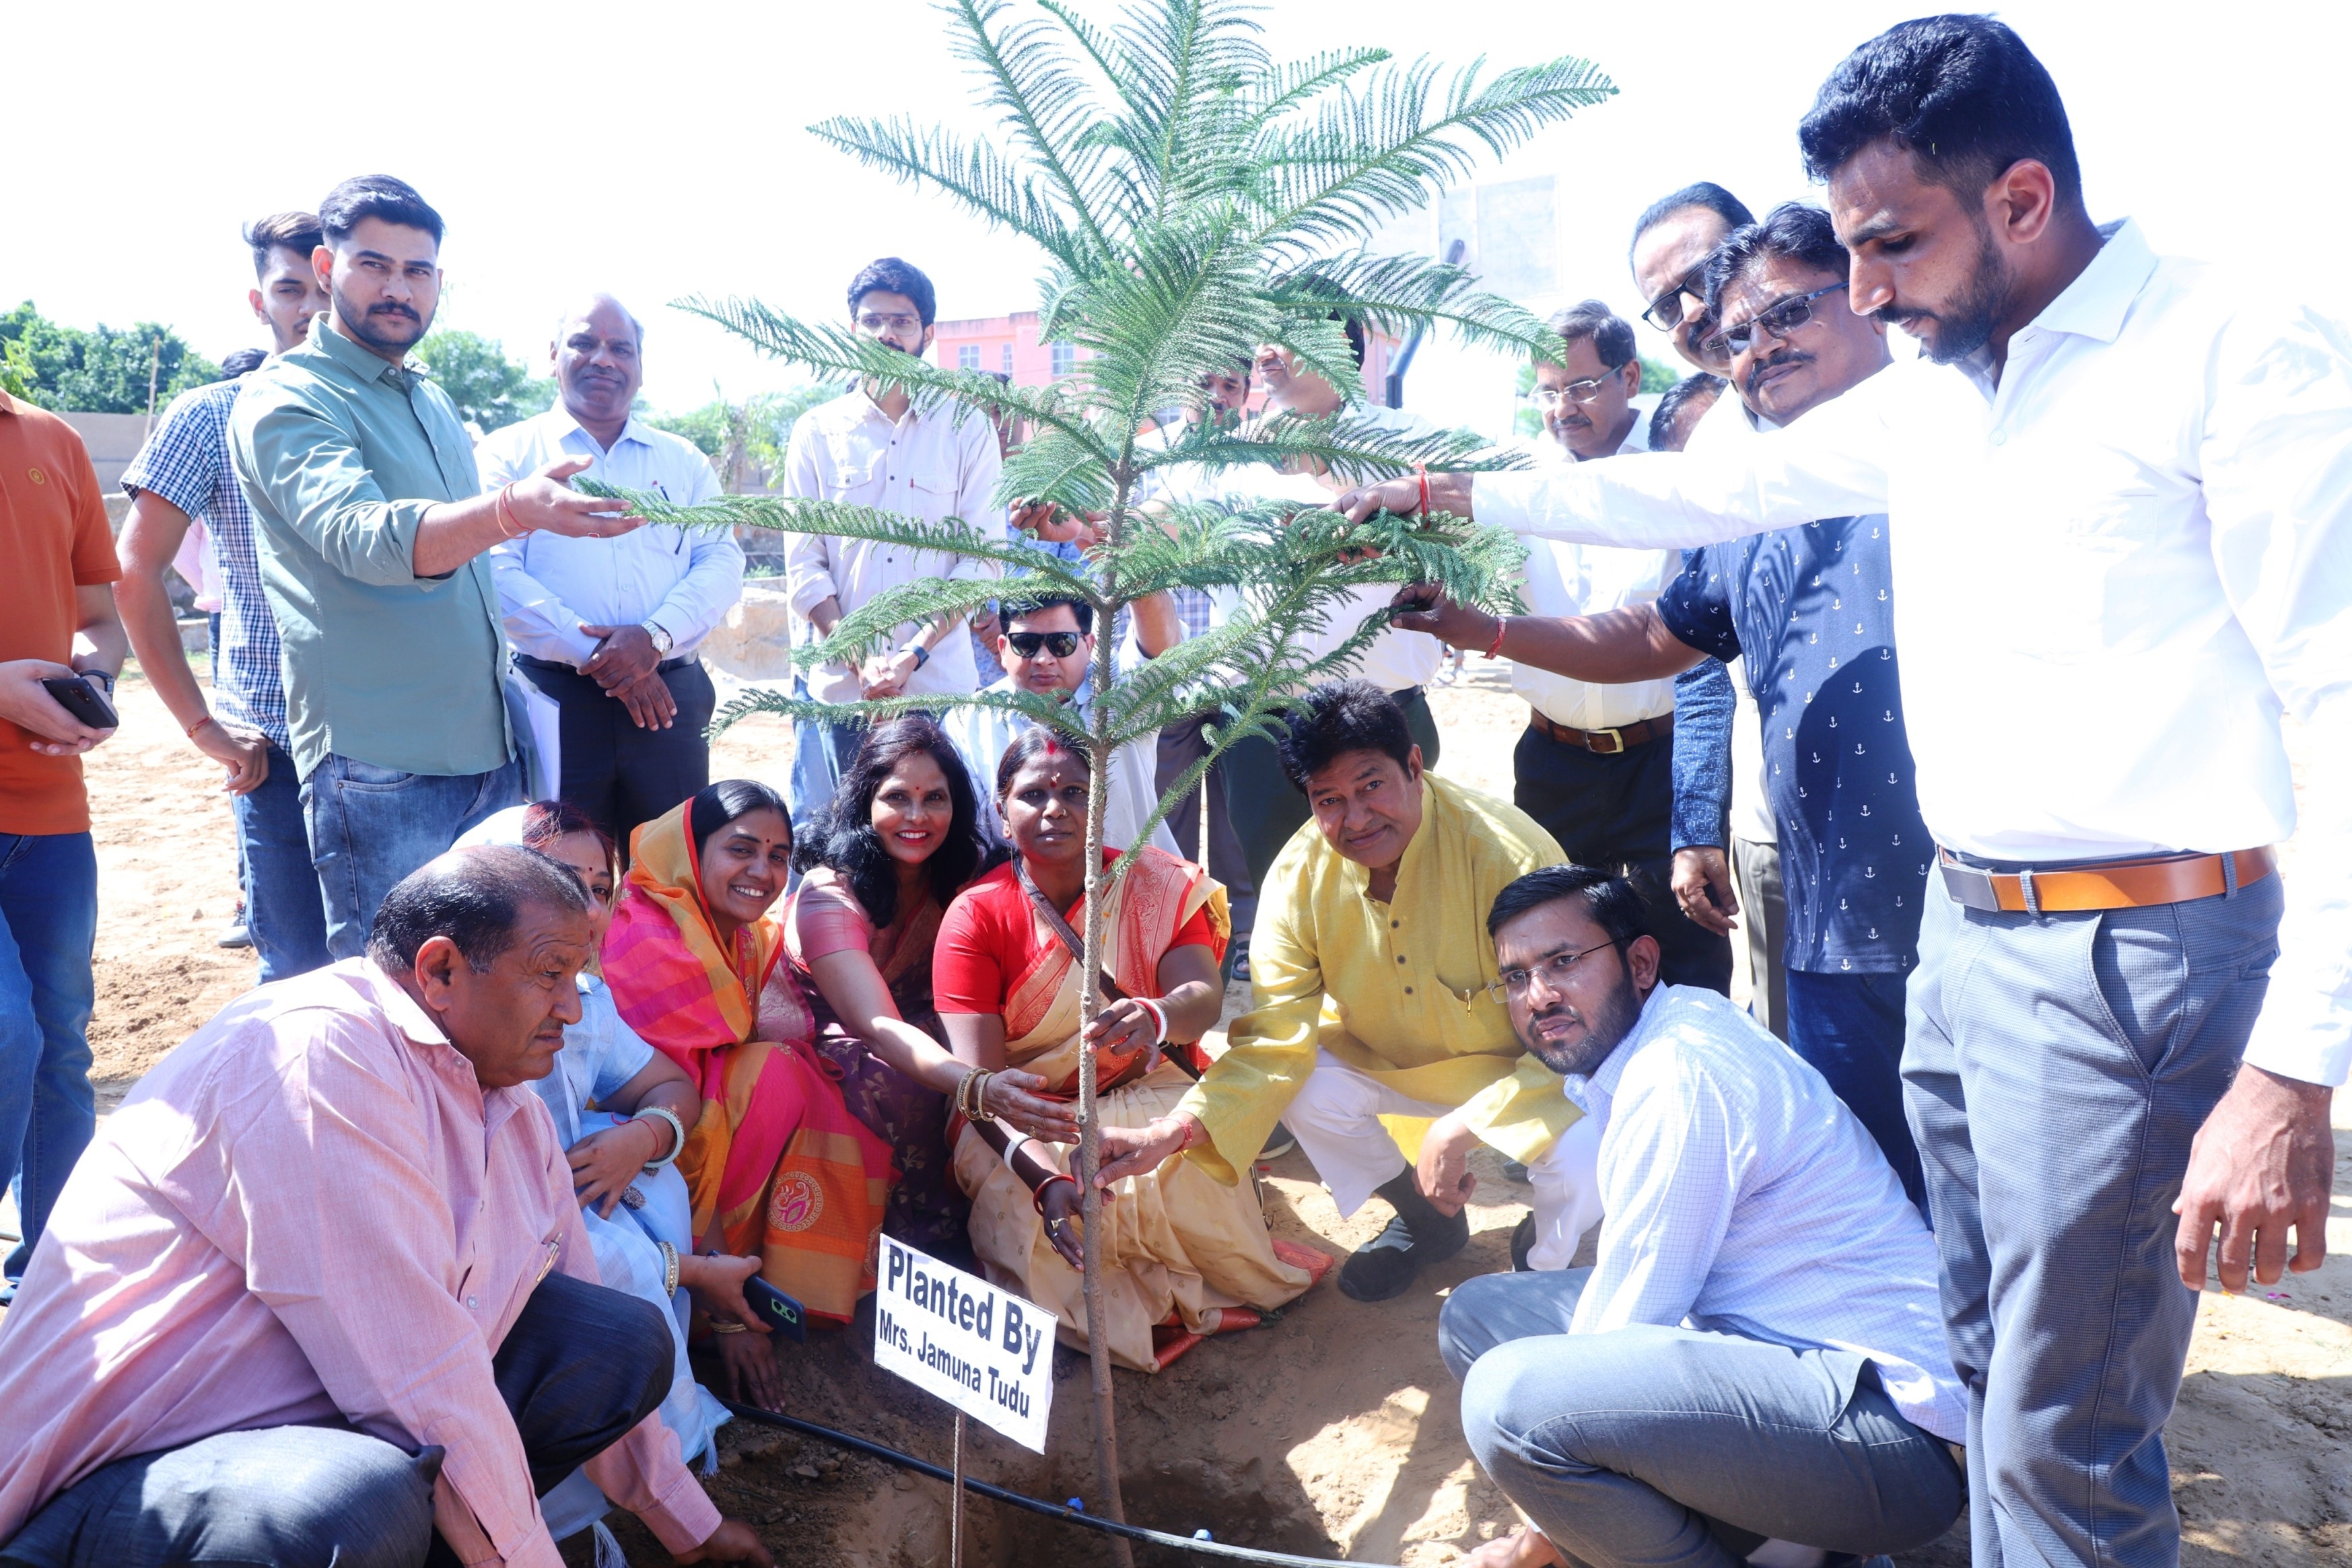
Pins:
x,y
658,150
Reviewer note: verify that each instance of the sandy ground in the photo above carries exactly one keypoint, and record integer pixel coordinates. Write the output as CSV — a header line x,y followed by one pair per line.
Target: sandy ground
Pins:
x,y
1332,1431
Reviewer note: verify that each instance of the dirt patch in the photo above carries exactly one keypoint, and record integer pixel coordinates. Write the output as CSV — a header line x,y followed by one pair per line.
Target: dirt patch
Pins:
x,y
1331,1431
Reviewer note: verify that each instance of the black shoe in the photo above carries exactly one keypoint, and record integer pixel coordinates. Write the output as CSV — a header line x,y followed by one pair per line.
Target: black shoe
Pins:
x,y
1386,1266
1523,1241
1278,1142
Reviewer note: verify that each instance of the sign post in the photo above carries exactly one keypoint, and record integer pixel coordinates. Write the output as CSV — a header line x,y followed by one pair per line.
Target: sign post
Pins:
x,y
955,1336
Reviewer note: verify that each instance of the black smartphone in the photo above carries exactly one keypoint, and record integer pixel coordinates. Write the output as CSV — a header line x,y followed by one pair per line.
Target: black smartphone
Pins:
x,y
783,1314
84,701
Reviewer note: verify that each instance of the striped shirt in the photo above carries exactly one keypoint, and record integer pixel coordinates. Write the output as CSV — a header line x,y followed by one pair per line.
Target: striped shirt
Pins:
x,y
186,463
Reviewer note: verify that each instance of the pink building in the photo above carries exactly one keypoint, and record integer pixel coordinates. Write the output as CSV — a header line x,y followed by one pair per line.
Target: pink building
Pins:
x,y
1008,345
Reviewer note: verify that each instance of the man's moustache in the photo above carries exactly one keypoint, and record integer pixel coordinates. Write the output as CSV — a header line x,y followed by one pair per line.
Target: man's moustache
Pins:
x,y
391,310
1775,362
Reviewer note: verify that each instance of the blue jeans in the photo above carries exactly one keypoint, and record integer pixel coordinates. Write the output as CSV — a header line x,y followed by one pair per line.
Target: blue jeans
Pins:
x,y
2057,1069
581,1365
822,753
284,913
1849,1029
1672,1447
370,827
48,923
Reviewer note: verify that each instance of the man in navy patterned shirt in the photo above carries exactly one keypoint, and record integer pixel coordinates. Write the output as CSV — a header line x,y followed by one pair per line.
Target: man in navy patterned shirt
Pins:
x,y
1812,609
182,474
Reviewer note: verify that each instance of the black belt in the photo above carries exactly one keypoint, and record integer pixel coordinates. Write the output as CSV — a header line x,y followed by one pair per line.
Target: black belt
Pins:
x,y
663,668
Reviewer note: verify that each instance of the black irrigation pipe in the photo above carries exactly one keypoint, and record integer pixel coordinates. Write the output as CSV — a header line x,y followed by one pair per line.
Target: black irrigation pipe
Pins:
x,y
998,1494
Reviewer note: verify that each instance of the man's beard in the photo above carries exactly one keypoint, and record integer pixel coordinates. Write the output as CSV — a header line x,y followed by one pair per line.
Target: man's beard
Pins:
x,y
1605,1029
1967,323
369,329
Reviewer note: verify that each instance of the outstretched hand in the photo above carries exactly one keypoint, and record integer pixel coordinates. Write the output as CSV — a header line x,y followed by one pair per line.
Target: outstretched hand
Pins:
x,y
1132,1151
544,502
732,1541
1065,1226
1424,607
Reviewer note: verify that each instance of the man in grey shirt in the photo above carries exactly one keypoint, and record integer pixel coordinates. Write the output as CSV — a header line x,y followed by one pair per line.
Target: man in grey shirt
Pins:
x,y
369,532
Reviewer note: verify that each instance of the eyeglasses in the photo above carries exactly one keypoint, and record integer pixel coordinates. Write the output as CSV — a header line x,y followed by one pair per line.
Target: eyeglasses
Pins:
x,y
870,322
1555,972
1576,391
1779,319
1027,644
1665,313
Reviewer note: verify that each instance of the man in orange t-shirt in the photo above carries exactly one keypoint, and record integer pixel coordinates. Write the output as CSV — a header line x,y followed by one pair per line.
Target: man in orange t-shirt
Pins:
x,y
56,619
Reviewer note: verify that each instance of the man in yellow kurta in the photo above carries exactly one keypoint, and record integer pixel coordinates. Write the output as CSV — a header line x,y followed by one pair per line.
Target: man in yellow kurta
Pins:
x,y
1369,970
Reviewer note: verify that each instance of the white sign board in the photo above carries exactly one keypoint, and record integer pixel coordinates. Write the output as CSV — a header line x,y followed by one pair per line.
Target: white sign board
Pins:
x,y
954,1335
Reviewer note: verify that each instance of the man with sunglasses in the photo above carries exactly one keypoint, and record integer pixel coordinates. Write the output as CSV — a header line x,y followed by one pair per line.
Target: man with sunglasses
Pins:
x,y
1808,613
1753,1366
1595,765
2121,489
1046,647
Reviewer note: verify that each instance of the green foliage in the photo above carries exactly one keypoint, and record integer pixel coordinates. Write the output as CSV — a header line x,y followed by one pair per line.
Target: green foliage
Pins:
x,y
490,391
99,371
746,441
1657,375
1194,199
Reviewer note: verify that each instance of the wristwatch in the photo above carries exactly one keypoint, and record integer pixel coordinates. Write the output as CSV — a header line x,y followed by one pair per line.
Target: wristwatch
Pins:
x,y
922,654
662,642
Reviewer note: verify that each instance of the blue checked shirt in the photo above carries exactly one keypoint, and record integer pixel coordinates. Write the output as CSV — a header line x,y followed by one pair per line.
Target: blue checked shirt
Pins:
x,y
186,463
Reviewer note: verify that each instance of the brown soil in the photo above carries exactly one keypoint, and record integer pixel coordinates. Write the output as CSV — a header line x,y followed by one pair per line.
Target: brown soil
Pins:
x,y
1332,1431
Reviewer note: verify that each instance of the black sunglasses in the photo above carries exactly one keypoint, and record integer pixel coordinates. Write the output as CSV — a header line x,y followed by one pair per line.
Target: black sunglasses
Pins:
x,y
1061,645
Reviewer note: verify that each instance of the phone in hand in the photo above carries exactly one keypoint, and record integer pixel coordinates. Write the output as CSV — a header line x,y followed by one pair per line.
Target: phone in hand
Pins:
x,y
783,1313
78,697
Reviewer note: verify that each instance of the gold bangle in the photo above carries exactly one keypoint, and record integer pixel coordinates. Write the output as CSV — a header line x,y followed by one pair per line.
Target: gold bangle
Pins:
x,y
720,1325
670,1268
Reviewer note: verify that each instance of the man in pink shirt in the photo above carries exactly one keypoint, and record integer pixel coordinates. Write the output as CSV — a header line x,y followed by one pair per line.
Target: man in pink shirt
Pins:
x,y
319,1293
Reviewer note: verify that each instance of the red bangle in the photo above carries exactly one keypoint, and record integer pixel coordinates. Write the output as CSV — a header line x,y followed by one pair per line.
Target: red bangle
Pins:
x,y
1038,1193
1422,469
199,725
1496,646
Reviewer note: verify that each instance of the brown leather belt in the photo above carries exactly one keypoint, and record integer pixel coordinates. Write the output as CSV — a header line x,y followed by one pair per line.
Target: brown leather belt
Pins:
x,y
2108,885
1605,742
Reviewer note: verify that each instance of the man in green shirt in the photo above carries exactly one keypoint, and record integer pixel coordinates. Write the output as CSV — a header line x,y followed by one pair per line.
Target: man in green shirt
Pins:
x,y
369,532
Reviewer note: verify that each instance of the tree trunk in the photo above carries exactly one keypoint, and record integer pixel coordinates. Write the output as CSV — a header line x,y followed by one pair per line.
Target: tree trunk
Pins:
x,y
1099,754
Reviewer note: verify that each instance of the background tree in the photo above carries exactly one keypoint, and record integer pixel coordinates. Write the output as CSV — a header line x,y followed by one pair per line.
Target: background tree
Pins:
x,y
746,441
101,370
490,391
1193,199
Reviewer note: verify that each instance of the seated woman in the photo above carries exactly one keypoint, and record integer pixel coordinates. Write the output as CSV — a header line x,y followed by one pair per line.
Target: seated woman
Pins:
x,y
622,1111
900,840
1184,1255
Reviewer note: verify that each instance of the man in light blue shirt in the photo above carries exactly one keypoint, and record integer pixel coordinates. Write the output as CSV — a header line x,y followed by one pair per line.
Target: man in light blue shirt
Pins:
x,y
368,527
1756,1366
605,630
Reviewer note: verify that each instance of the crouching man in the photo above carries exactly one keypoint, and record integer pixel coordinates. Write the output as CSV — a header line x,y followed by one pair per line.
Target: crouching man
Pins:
x,y
1372,993
1755,1368
319,1293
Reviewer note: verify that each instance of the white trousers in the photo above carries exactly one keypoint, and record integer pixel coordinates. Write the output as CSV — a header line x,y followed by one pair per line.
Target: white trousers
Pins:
x,y
1335,1118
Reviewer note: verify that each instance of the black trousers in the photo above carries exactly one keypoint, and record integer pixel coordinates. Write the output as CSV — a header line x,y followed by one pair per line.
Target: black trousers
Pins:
x,y
1267,808
1617,811
619,774
581,1365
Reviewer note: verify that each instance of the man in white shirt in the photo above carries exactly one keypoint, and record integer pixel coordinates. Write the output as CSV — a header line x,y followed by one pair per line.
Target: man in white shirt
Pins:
x,y
1595,765
2120,494
1267,809
604,631
1754,1367
1046,648
874,448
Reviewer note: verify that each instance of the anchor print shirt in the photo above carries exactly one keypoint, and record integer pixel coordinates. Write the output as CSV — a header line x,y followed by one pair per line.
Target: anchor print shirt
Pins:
x,y
1812,609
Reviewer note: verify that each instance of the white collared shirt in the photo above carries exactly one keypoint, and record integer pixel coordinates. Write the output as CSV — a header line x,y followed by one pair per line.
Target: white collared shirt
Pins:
x,y
2119,566
929,465
550,586
981,735
1565,579
1739,1195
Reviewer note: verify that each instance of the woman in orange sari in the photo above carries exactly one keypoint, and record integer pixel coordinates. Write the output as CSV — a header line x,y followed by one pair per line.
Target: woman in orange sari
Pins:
x,y
1184,1255
776,1167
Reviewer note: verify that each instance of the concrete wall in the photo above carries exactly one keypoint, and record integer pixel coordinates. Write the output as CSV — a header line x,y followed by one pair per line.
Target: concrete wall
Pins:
x,y
113,439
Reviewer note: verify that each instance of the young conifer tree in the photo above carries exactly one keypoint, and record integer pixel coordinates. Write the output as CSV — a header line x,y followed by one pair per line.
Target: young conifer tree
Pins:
x,y
1194,199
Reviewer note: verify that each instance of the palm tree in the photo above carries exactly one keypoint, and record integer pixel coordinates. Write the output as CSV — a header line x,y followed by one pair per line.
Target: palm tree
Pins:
x,y
1194,199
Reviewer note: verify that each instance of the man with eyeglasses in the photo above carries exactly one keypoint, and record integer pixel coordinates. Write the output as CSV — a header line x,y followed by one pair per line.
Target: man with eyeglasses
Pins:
x,y
1046,647
873,447
1754,1366
1595,765
1372,995
1808,613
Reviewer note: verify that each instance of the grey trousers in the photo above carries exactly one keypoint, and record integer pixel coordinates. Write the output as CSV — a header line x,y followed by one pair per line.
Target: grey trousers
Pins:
x,y
1764,912
1670,1448
581,1365
2055,1069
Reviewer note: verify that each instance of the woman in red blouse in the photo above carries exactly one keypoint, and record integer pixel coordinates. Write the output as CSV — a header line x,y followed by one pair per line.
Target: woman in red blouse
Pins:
x,y
1184,1256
